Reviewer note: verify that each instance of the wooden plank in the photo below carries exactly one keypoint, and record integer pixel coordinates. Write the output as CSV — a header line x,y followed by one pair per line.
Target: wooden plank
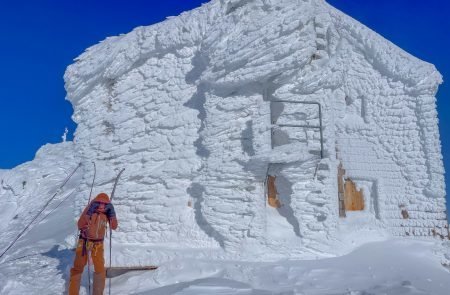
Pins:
x,y
341,173
115,271
272,193
353,198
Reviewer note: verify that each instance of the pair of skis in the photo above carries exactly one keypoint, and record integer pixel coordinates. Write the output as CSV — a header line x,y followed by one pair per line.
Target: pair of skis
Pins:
x,y
110,230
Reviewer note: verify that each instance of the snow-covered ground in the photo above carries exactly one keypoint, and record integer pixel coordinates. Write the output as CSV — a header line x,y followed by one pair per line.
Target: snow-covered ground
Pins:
x,y
389,267
393,267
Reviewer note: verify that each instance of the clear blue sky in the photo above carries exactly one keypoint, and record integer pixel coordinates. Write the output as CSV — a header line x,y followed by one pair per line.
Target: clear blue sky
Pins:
x,y
40,38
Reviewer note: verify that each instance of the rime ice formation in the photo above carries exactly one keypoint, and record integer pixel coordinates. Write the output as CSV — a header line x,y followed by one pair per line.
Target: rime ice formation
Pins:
x,y
202,107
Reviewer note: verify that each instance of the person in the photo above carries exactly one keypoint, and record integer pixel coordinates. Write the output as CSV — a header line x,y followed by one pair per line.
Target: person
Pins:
x,y
92,225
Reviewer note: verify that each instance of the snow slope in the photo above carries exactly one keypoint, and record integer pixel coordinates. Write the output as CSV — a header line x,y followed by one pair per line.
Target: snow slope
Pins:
x,y
25,189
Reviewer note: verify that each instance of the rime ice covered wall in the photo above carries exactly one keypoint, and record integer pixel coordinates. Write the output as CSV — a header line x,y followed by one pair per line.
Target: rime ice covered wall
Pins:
x,y
188,107
387,135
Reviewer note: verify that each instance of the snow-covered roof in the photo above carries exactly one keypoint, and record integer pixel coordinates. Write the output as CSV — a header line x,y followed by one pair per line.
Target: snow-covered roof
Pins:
x,y
231,34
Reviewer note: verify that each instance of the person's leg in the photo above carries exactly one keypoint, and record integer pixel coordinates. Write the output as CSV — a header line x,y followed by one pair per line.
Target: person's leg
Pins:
x,y
77,269
99,269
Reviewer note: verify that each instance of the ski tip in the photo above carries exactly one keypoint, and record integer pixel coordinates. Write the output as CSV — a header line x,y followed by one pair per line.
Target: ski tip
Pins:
x,y
116,271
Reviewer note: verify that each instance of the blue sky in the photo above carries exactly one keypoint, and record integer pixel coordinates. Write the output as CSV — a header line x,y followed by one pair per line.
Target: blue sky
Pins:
x,y
40,38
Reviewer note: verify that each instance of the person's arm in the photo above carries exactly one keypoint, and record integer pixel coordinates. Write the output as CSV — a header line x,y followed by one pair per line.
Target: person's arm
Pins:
x,y
111,213
83,221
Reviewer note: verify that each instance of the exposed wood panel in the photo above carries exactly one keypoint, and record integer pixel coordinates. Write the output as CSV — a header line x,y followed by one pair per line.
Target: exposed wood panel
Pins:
x,y
405,214
353,199
341,173
272,193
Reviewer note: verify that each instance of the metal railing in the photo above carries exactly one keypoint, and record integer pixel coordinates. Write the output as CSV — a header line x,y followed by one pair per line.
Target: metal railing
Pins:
x,y
320,127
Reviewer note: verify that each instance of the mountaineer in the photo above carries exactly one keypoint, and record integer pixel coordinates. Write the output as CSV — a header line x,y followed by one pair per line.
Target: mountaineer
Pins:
x,y
92,225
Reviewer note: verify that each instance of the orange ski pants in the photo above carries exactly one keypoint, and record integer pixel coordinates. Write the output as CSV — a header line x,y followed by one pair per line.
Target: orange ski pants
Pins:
x,y
95,251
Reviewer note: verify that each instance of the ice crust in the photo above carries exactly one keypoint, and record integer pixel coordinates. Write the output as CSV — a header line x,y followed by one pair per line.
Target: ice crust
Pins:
x,y
188,107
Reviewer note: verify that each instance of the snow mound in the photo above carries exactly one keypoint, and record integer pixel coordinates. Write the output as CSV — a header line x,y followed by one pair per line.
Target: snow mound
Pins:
x,y
25,189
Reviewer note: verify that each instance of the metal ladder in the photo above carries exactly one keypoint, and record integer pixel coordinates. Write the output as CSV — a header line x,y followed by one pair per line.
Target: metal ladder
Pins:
x,y
320,127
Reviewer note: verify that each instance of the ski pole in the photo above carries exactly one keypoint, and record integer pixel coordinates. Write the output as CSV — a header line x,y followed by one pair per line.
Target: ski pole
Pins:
x,y
87,252
93,181
110,229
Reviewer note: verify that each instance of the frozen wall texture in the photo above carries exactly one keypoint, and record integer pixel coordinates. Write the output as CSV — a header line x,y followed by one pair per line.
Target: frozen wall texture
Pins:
x,y
200,108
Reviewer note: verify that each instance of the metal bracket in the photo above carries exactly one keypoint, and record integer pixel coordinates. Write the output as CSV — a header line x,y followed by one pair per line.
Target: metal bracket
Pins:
x,y
299,126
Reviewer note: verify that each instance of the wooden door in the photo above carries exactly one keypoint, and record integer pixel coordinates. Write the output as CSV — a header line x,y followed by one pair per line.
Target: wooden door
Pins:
x,y
272,193
353,198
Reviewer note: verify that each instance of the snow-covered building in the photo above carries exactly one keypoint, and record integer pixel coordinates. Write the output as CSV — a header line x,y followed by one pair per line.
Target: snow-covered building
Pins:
x,y
262,125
